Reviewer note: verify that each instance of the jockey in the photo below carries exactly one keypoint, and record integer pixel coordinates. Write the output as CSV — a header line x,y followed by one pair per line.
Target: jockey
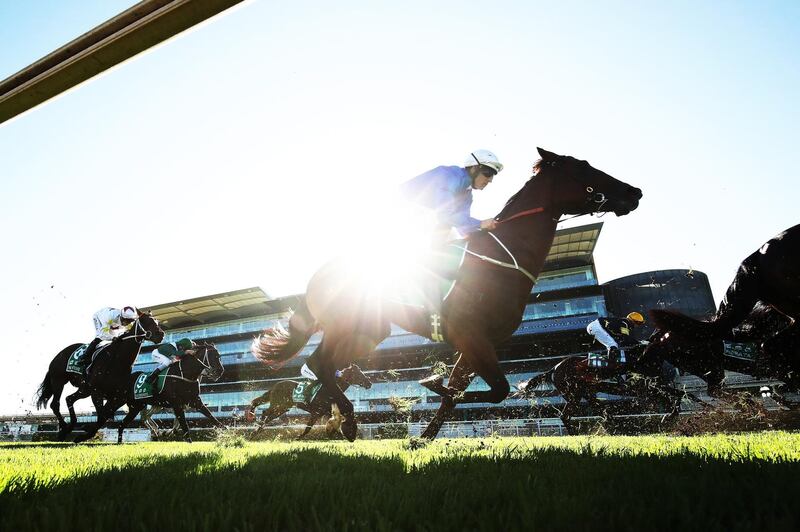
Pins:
x,y
169,353
447,191
109,323
614,334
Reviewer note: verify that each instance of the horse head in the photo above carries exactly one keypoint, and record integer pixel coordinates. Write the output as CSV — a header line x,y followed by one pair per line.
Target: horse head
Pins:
x,y
579,188
148,328
353,375
566,185
207,354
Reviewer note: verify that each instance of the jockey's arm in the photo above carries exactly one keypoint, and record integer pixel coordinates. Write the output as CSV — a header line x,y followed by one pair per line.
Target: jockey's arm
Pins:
x,y
458,216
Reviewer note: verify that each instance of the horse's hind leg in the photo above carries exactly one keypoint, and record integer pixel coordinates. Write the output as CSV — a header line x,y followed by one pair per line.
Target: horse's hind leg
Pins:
x,y
73,419
459,380
55,406
742,294
133,411
348,348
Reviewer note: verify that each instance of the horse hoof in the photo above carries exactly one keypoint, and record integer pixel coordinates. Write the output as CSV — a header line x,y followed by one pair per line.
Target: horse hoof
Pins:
x,y
350,427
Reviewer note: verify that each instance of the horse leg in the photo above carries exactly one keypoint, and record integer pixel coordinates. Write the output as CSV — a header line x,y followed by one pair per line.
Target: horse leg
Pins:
x,y
273,412
73,419
459,380
309,425
201,406
481,355
104,413
348,348
742,294
570,406
133,411
55,406
179,414
250,414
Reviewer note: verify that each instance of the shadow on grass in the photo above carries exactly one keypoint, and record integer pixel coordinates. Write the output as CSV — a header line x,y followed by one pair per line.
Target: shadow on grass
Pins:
x,y
552,489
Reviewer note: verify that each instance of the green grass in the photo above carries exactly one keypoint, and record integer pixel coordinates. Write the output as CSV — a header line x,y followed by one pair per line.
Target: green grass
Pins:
x,y
718,482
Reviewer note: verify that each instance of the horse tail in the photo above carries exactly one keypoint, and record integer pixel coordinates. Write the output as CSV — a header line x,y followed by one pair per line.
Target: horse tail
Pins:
x,y
44,393
535,382
277,344
741,296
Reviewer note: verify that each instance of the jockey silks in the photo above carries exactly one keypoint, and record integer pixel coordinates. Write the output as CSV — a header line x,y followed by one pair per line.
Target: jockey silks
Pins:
x,y
447,191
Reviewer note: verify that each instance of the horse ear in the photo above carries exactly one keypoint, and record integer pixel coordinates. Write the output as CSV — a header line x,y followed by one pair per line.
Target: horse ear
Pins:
x,y
547,155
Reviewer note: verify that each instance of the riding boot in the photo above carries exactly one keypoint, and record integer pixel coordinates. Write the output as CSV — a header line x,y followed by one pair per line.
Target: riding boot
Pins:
x,y
90,349
151,379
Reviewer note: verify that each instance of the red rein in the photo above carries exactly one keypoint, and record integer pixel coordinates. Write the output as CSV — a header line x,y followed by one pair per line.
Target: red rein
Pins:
x,y
521,214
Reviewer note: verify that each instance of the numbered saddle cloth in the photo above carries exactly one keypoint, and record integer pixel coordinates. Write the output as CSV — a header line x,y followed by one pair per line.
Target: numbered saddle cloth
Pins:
x,y
143,389
77,363
306,391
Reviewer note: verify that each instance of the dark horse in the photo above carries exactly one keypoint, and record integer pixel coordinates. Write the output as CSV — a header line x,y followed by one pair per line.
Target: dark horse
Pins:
x,y
181,388
574,380
111,365
770,275
280,399
484,308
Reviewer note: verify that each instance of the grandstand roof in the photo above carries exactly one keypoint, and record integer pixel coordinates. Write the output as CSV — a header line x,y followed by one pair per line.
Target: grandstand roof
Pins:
x,y
245,303
574,244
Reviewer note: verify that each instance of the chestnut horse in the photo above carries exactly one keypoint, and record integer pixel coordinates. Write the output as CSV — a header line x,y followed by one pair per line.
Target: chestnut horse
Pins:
x,y
483,309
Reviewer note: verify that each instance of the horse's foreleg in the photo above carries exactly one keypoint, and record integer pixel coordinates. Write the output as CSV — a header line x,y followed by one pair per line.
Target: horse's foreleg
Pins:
x,y
250,414
309,426
459,380
481,355
201,406
179,414
104,413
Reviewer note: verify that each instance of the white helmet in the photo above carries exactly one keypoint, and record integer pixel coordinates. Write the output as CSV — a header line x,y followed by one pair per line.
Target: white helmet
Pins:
x,y
485,158
129,313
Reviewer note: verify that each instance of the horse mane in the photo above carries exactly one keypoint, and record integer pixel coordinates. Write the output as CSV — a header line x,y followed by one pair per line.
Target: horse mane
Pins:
x,y
537,167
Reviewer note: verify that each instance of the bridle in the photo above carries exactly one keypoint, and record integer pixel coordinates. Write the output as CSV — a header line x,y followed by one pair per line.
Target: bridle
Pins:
x,y
146,335
597,198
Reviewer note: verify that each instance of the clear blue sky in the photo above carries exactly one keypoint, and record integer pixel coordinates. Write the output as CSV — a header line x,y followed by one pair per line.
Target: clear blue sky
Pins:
x,y
252,143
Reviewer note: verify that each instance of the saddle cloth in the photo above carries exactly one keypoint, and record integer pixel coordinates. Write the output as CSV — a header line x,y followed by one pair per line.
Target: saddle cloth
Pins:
x,y
77,364
306,391
144,390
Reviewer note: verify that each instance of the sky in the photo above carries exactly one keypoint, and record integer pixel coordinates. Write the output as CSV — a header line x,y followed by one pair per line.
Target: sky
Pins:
x,y
251,149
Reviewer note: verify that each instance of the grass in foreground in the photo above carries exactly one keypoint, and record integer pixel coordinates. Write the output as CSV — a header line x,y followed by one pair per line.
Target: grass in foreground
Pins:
x,y
721,482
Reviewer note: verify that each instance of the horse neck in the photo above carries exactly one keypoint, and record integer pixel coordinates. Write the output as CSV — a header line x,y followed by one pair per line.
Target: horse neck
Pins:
x,y
343,384
191,367
529,238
